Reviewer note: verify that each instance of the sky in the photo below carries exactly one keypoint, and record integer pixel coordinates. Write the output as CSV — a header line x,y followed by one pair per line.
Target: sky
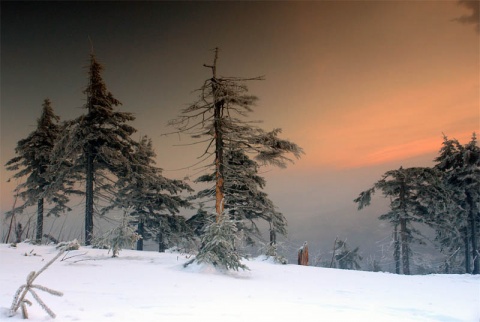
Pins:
x,y
362,86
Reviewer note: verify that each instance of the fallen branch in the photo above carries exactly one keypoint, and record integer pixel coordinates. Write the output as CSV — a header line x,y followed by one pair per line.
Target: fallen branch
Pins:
x,y
19,298
64,258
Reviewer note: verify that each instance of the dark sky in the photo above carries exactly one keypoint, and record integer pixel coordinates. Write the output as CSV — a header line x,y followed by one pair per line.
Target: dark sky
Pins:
x,y
362,86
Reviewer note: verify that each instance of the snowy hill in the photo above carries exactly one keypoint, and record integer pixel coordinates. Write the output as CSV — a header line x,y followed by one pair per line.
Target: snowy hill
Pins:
x,y
151,286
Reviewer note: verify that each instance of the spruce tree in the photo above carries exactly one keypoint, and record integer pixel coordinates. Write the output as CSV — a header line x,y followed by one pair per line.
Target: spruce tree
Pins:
x,y
458,225
33,160
97,144
220,245
151,199
245,201
198,222
347,258
409,191
120,237
219,116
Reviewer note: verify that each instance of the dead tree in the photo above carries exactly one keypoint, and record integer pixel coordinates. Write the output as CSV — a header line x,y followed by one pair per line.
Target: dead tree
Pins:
x,y
303,255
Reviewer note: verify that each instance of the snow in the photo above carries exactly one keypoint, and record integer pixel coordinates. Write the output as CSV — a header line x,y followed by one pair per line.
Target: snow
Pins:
x,y
152,286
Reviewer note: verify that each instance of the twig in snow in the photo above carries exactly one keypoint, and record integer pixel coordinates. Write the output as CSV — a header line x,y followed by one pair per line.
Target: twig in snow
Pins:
x,y
19,298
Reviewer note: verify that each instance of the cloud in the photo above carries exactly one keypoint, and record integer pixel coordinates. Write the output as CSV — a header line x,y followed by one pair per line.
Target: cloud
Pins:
x,y
474,17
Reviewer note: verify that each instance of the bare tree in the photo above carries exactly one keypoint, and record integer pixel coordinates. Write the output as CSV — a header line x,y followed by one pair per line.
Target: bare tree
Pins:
x,y
218,116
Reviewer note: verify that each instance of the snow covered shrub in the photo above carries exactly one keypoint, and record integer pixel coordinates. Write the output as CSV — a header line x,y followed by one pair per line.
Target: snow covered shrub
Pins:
x,y
271,251
347,258
70,245
219,245
123,237
118,238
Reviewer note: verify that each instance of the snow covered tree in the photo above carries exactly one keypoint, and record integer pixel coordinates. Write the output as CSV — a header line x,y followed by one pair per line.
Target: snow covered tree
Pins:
x,y
347,258
277,224
149,196
198,222
173,231
245,202
98,144
458,226
119,237
32,160
220,245
218,115
410,191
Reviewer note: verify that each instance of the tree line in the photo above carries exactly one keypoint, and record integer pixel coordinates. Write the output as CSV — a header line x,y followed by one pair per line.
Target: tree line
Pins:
x,y
445,197
96,157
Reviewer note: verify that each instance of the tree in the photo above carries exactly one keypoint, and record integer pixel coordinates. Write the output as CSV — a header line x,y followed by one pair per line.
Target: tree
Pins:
x,y
410,191
198,222
220,246
98,144
32,160
277,224
216,115
302,254
119,237
457,226
245,201
148,196
347,258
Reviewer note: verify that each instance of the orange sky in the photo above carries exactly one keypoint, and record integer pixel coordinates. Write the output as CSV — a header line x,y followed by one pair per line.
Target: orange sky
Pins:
x,y
406,124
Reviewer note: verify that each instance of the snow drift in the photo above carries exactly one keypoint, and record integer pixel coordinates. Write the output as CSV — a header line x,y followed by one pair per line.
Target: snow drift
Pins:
x,y
152,286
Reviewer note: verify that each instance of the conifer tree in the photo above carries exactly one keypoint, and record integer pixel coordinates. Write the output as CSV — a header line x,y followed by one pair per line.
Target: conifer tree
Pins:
x,y
245,202
148,196
410,191
119,237
220,245
32,160
458,225
198,222
98,144
218,115
347,258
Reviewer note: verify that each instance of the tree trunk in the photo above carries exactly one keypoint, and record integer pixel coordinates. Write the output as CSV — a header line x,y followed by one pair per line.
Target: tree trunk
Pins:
x,y
219,189
403,230
161,243
39,232
141,232
466,241
405,250
473,232
218,115
303,255
89,197
333,253
273,237
18,233
11,219
396,249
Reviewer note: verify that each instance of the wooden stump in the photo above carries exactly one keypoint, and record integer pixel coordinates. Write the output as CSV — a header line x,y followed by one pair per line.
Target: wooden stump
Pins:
x,y
303,255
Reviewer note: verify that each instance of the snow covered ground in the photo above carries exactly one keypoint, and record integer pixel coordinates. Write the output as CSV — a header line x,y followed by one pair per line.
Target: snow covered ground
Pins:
x,y
152,286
